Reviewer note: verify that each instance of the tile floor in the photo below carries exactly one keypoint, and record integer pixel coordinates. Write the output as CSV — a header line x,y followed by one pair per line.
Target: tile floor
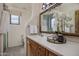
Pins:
x,y
15,51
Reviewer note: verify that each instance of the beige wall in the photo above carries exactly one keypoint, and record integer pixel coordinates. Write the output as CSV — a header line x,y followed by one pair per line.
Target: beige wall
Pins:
x,y
36,10
1,36
16,31
1,8
28,16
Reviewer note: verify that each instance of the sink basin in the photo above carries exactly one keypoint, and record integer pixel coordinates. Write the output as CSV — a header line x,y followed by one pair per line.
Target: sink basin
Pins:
x,y
51,40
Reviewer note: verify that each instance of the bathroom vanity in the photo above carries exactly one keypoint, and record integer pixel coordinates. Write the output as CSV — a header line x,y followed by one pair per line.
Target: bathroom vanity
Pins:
x,y
36,49
61,18
39,46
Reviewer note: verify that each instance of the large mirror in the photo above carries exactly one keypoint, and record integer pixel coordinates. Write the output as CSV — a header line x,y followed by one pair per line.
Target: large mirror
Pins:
x,y
63,18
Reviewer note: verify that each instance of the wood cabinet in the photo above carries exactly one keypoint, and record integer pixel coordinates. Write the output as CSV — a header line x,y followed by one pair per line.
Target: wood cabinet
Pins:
x,y
77,21
34,49
41,51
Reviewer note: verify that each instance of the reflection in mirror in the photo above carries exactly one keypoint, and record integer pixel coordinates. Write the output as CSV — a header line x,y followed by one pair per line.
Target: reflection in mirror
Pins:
x,y
50,22
63,18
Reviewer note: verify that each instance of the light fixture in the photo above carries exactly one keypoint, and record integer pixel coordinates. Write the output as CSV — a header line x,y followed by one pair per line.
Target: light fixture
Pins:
x,y
46,5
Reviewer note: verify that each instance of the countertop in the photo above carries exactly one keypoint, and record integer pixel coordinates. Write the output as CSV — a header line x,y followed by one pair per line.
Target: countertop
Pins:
x,y
68,49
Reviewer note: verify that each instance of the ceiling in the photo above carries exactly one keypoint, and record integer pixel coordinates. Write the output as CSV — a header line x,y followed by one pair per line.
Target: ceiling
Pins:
x,y
19,5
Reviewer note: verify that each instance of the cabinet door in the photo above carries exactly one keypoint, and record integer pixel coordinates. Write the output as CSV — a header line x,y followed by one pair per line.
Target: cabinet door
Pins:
x,y
27,47
42,51
77,21
33,48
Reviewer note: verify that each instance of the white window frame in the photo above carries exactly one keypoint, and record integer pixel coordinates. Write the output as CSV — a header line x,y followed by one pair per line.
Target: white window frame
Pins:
x,y
15,23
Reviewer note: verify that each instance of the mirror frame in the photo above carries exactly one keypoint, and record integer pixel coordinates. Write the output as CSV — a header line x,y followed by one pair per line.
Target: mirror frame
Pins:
x,y
64,33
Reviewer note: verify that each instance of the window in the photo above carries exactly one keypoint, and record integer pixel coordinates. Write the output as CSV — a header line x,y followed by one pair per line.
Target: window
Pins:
x,y
53,24
14,19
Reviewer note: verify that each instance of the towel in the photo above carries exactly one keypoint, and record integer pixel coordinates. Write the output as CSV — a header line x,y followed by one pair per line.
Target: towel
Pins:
x,y
33,29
